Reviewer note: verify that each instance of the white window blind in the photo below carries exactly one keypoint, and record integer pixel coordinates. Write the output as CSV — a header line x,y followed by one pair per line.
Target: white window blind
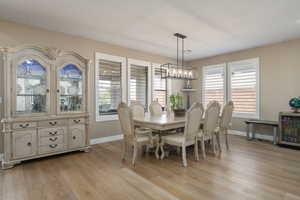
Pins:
x,y
138,89
110,80
213,85
244,87
109,87
159,88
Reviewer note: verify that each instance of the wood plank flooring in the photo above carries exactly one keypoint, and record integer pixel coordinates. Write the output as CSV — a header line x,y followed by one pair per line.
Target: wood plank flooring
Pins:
x,y
250,170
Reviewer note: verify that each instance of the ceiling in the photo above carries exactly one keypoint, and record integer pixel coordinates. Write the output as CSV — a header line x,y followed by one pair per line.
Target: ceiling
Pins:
x,y
212,26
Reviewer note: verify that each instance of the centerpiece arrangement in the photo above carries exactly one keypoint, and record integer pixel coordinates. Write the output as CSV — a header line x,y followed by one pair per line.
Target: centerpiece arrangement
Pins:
x,y
176,101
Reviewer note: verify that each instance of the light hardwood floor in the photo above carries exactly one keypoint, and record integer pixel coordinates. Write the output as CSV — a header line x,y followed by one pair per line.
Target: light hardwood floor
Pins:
x,y
250,170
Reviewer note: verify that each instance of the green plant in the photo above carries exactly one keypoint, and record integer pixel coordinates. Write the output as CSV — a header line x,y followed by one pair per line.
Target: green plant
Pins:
x,y
176,101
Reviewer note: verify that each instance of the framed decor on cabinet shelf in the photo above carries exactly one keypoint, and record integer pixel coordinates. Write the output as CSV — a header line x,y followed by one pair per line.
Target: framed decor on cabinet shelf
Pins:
x,y
45,95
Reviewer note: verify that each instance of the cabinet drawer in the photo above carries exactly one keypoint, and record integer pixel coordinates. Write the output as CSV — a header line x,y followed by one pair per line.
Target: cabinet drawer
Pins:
x,y
24,143
52,123
76,121
47,132
51,148
59,139
77,136
24,125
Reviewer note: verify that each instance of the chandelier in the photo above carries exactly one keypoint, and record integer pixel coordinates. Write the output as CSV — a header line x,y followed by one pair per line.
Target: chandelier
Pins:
x,y
178,70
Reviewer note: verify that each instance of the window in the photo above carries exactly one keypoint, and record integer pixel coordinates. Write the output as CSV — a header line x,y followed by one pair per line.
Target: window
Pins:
x,y
244,87
214,84
238,81
139,74
160,93
110,85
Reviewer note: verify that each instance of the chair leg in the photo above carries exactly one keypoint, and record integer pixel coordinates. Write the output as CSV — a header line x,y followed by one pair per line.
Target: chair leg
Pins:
x,y
213,144
124,150
203,147
162,150
196,150
218,141
226,139
184,156
135,151
157,150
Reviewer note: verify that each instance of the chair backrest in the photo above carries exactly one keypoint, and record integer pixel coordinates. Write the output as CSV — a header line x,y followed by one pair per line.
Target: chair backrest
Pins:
x,y
192,124
138,110
211,118
155,109
126,119
226,115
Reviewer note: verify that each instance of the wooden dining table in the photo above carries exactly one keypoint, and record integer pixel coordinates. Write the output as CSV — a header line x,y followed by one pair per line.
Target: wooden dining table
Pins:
x,y
160,123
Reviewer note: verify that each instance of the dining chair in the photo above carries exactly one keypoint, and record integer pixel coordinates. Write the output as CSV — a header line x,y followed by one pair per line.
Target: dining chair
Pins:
x,y
210,124
155,109
225,124
188,137
138,112
131,137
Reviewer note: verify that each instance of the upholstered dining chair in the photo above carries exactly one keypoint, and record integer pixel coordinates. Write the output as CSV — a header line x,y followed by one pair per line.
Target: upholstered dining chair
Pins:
x,y
155,109
225,124
188,137
138,112
210,124
131,137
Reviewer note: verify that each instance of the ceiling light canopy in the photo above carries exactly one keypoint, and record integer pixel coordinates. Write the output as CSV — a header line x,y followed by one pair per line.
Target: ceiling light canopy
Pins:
x,y
178,70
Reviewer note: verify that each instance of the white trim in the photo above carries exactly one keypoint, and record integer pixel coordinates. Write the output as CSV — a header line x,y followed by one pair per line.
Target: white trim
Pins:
x,y
113,58
149,84
241,64
257,135
106,139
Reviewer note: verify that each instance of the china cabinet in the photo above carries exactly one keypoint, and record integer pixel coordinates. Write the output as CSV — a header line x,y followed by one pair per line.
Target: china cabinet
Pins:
x,y
45,109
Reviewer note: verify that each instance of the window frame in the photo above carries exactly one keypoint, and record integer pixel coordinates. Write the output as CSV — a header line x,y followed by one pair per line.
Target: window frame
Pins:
x,y
123,85
211,67
168,83
136,62
227,84
230,67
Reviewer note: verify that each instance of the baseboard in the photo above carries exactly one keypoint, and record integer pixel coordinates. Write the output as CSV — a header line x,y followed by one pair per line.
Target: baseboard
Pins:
x,y
120,137
257,135
106,139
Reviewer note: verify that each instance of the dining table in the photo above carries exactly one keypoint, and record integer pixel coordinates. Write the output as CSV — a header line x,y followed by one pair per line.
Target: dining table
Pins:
x,y
160,123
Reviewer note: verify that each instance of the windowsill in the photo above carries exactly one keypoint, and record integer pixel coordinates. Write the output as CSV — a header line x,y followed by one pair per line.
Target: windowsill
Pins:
x,y
245,116
107,118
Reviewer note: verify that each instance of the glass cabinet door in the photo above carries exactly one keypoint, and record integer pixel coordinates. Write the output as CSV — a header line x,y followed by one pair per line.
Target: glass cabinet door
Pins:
x,y
70,83
31,88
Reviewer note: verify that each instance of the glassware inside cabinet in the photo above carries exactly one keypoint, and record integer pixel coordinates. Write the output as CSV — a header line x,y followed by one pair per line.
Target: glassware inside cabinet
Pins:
x,y
70,89
31,87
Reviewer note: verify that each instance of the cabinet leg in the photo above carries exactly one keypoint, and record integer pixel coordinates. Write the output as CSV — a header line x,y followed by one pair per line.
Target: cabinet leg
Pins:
x,y
9,165
275,139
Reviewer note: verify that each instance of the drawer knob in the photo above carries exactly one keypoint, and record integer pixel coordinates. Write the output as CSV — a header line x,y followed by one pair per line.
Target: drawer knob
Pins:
x,y
24,125
52,123
74,137
29,144
53,139
76,121
53,145
53,133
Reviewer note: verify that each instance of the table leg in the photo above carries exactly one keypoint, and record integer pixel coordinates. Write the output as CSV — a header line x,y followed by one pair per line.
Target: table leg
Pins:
x,y
253,131
248,131
275,139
